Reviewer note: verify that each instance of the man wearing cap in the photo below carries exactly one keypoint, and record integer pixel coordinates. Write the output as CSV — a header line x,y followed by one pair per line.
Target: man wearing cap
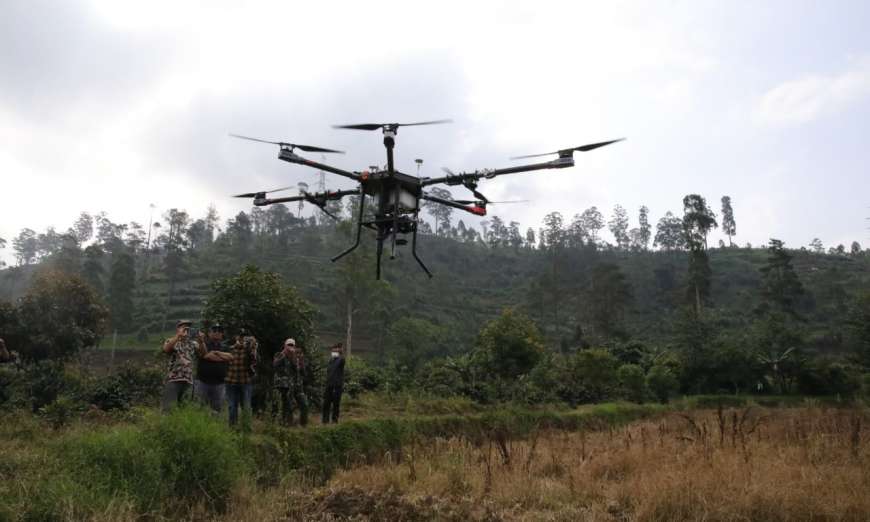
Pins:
x,y
239,382
181,350
211,369
289,368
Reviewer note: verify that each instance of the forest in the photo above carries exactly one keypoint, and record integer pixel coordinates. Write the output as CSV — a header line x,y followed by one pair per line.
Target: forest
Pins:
x,y
660,299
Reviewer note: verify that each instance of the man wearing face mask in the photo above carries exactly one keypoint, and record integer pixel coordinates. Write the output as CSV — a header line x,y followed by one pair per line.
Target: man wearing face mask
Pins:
x,y
334,385
289,366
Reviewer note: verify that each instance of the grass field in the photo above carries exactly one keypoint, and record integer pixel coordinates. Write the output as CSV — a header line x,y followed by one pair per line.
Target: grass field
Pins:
x,y
444,460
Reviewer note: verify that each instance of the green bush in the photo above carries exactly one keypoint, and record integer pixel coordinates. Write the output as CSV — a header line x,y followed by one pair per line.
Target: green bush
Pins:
x,y
187,456
662,382
632,381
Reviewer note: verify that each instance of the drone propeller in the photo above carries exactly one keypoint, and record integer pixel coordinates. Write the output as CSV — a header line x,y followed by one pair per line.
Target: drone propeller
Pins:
x,y
582,148
306,148
264,192
376,126
474,201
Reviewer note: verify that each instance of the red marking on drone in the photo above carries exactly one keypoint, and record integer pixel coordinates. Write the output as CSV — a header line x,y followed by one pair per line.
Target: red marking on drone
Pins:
x,y
480,211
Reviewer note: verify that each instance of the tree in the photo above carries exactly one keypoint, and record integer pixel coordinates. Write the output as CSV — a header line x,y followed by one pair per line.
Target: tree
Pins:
x,y
645,230
413,341
781,288
728,224
858,327
25,246
591,221
662,382
608,295
92,268
261,302
592,374
698,220
62,315
441,213
122,281
530,238
510,345
855,249
632,381
816,246
553,234
83,228
618,225
669,233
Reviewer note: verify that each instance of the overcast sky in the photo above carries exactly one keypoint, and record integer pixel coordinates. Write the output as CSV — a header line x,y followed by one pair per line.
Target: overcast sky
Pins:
x,y
109,105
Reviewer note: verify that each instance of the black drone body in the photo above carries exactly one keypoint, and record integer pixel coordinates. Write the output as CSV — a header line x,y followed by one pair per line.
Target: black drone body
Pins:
x,y
397,195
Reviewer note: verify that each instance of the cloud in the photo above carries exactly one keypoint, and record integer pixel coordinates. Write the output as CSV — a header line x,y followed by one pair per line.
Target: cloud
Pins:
x,y
812,97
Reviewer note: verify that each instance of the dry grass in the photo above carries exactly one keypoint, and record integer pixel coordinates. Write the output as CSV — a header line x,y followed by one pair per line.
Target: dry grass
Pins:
x,y
799,464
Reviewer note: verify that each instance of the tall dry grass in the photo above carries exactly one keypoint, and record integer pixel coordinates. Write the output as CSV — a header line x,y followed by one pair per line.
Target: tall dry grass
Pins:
x,y
746,464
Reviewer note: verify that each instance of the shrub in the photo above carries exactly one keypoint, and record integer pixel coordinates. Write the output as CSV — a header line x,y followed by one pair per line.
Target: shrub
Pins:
x,y
829,377
186,456
632,381
662,382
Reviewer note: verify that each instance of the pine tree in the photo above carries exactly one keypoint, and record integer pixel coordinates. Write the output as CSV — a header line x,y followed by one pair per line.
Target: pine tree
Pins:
x,y
645,227
618,225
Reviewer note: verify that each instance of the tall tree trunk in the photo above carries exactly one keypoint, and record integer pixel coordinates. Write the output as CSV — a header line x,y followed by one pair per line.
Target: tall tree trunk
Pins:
x,y
349,334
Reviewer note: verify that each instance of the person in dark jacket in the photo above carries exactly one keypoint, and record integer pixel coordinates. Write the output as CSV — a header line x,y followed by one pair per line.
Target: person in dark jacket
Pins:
x,y
211,369
334,384
289,366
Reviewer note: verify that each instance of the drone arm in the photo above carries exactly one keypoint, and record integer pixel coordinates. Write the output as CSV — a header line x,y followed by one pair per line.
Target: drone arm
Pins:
x,y
476,210
458,179
319,199
290,156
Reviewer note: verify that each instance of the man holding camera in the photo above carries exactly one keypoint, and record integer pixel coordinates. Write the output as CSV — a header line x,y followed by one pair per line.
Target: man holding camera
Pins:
x,y
181,349
240,374
211,369
334,385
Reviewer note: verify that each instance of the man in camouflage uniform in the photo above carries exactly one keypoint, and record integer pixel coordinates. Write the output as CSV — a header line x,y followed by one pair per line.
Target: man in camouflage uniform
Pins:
x,y
289,368
182,351
239,382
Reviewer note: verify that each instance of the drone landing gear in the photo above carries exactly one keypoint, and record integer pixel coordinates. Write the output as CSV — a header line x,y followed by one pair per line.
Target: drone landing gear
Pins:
x,y
359,225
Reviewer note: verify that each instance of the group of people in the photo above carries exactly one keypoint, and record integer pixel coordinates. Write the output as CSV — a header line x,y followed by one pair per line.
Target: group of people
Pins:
x,y
216,368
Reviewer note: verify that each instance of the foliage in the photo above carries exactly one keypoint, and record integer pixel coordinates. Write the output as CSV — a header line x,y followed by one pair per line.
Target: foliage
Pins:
x,y
781,287
662,382
592,375
188,455
829,377
632,381
261,302
412,341
60,315
510,345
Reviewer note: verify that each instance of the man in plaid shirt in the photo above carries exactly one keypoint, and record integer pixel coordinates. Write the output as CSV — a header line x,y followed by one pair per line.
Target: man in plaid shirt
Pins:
x,y
240,374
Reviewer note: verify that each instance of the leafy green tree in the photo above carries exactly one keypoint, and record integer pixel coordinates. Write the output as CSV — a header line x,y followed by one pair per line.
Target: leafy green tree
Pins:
x,y
92,268
669,233
61,315
261,302
855,249
441,213
816,246
728,224
618,225
590,222
778,338
645,229
632,381
662,382
412,341
25,246
122,283
858,325
781,288
510,345
698,220
699,278
608,295
592,374
83,228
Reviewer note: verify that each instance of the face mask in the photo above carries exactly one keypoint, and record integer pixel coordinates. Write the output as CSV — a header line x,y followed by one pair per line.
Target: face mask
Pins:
x,y
335,355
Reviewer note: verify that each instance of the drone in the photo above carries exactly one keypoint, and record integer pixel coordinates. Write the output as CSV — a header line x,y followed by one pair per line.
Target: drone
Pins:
x,y
397,195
